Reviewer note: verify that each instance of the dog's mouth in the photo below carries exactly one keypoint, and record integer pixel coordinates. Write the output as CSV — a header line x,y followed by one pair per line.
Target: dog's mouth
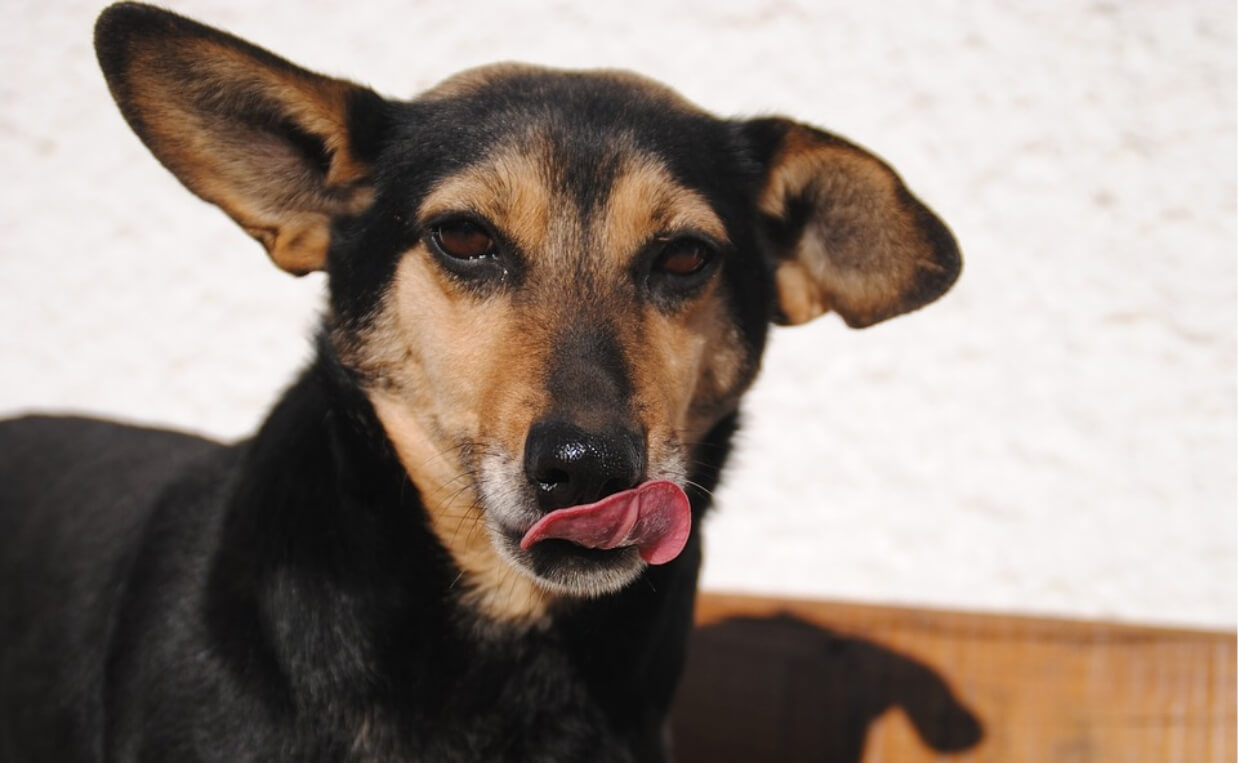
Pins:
x,y
598,548
654,518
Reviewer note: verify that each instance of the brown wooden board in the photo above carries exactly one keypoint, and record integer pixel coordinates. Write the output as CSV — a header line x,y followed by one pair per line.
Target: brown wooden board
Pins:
x,y
776,680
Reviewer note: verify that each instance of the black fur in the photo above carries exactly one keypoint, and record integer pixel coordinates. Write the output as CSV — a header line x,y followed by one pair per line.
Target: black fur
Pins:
x,y
172,599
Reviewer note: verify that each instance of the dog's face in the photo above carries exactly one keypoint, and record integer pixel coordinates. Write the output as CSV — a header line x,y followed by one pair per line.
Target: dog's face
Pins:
x,y
552,285
571,304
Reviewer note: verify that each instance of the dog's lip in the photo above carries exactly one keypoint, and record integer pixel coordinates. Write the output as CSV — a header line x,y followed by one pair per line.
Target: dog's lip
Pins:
x,y
655,517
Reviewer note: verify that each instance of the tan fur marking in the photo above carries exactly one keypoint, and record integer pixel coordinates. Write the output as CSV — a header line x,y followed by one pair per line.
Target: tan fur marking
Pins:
x,y
688,371
801,297
862,251
489,584
645,202
509,188
439,353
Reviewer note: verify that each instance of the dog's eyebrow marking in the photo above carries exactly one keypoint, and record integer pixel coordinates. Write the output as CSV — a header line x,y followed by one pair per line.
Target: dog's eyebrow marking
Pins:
x,y
509,188
646,201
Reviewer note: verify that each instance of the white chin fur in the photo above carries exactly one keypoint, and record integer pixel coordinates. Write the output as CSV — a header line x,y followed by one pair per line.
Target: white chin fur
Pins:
x,y
510,510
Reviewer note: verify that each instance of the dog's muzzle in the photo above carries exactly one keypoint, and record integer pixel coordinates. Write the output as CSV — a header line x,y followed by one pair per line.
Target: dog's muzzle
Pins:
x,y
569,466
591,488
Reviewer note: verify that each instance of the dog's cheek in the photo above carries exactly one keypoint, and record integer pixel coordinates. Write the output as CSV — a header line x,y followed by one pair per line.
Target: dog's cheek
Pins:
x,y
451,340
722,371
446,353
687,365
478,365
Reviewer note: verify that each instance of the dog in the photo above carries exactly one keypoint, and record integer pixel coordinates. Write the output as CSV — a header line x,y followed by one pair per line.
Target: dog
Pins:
x,y
469,531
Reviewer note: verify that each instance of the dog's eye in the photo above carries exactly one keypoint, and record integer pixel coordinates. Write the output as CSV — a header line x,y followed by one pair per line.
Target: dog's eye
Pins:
x,y
683,257
463,240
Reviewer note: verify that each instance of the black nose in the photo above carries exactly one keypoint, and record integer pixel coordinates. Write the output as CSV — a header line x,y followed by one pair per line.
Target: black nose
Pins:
x,y
569,466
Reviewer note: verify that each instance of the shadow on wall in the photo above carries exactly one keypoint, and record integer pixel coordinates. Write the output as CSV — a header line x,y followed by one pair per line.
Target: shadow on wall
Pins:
x,y
780,690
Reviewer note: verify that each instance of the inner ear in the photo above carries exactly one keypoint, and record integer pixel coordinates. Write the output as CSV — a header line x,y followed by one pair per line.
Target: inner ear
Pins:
x,y
845,234
280,149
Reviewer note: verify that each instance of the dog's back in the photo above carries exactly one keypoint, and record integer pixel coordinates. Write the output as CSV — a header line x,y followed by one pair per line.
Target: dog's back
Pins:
x,y
75,495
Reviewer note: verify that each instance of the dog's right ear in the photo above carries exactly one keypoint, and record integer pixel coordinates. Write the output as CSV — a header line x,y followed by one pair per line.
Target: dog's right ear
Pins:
x,y
280,149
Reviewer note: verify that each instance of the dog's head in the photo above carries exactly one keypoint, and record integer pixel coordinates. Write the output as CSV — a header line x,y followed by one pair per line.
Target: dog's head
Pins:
x,y
551,285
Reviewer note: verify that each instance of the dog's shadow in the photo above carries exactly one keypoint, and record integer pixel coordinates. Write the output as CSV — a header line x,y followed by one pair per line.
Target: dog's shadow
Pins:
x,y
780,690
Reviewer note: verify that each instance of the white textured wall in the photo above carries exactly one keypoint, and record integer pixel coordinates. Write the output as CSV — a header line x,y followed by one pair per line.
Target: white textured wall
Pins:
x,y
1057,435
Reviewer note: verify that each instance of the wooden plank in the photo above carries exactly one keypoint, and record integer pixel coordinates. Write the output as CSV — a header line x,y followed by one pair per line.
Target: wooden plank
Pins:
x,y
793,680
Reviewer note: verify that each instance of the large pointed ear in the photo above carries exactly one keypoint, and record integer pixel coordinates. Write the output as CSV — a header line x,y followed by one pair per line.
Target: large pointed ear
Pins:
x,y
280,149
846,234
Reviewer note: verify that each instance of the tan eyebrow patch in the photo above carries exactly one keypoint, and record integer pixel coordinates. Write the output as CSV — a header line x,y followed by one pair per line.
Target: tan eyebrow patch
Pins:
x,y
645,201
510,187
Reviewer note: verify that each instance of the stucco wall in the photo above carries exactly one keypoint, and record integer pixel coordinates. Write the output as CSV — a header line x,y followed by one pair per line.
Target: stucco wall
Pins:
x,y
1056,436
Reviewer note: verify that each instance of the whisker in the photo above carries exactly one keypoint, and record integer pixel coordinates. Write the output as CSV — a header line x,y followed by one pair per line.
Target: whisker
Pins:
x,y
699,487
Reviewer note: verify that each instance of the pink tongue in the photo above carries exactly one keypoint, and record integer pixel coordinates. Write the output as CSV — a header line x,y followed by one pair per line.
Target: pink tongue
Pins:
x,y
655,517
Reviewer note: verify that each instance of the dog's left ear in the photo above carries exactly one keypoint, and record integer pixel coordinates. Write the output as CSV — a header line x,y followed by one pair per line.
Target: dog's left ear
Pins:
x,y
846,234
282,150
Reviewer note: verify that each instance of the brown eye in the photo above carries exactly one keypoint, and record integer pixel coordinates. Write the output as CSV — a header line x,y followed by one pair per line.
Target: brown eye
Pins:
x,y
463,240
683,257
